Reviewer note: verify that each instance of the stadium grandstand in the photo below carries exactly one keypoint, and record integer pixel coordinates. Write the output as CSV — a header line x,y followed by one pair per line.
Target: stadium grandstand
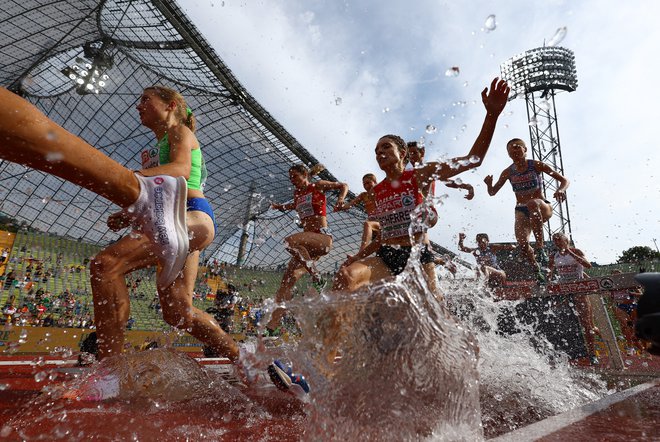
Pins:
x,y
123,47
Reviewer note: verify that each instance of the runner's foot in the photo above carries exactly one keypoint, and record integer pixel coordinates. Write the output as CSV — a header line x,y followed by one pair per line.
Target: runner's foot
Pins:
x,y
160,213
542,257
283,377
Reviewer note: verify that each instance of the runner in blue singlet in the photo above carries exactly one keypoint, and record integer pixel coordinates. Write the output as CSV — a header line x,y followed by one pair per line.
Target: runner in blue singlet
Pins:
x,y
532,209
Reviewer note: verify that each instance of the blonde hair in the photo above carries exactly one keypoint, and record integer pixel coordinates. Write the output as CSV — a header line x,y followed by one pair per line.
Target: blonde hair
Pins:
x,y
312,171
182,112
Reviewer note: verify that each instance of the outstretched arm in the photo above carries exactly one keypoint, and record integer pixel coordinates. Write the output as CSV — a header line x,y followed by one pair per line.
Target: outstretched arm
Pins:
x,y
470,190
461,246
494,101
355,201
282,207
579,257
325,186
560,193
493,189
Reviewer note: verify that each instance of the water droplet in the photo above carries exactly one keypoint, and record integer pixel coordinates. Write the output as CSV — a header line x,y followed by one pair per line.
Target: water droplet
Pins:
x,y
40,376
558,37
544,104
431,129
490,24
463,127
337,101
533,121
452,71
465,84
386,110
51,136
54,157
474,159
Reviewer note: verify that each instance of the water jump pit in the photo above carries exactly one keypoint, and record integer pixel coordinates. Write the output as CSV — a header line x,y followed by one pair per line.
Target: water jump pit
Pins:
x,y
396,380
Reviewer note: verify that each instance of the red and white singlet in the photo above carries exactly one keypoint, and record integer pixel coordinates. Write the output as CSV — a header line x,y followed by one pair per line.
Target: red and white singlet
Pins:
x,y
395,205
567,267
310,202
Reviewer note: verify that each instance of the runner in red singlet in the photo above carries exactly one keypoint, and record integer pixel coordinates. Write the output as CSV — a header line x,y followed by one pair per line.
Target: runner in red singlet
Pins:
x,y
315,240
401,192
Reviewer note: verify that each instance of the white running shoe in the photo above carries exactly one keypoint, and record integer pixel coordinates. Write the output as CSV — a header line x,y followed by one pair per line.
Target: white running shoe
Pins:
x,y
160,213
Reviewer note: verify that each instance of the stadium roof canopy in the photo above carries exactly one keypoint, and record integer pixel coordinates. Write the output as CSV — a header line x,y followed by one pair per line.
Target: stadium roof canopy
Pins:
x,y
127,45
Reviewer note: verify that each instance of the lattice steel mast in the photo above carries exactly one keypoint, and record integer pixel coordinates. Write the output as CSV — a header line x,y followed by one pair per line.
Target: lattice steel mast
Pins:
x,y
537,75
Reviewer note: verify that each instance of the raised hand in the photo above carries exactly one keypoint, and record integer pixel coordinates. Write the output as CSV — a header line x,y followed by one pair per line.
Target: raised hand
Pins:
x,y
496,99
560,195
489,180
470,191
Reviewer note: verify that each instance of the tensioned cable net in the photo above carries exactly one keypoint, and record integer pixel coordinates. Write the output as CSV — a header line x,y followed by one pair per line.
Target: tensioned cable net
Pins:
x,y
85,63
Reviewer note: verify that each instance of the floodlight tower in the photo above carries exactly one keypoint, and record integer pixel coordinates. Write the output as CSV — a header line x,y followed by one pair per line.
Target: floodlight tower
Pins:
x,y
538,74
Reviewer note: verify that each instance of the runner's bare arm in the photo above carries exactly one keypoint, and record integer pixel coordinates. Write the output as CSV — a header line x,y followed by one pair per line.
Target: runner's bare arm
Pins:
x,y
494,101
461,246
357,200
325,186
465,186
282,207
579,257
493,189
560,193
181,141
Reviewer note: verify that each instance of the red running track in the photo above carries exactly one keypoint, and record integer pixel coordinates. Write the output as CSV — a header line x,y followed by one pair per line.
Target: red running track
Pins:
x,y
26,413
630,415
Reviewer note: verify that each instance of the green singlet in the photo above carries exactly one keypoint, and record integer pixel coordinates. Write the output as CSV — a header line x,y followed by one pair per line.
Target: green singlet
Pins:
x,y
161,152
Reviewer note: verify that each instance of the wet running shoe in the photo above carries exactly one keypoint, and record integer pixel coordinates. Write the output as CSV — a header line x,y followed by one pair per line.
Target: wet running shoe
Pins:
x,y
319,283
95,388
540,276
160,213
542,257
283,377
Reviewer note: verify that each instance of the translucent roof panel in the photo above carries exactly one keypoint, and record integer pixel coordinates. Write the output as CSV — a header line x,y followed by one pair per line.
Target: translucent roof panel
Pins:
x,y
129,45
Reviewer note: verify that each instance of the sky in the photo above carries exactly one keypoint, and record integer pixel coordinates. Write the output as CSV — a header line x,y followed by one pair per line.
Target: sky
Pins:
x,y
340,74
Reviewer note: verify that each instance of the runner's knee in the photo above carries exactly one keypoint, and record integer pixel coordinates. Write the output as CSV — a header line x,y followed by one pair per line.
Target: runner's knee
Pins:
x,y
105,265
179,317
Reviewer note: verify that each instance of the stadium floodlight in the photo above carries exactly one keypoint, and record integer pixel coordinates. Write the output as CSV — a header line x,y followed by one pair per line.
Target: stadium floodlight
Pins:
x,y
88,72
541,69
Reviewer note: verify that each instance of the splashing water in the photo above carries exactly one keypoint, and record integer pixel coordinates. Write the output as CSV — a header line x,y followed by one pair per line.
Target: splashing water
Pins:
x,y
560,34
431,129
522,379
407,368
490,24
544,104
453,71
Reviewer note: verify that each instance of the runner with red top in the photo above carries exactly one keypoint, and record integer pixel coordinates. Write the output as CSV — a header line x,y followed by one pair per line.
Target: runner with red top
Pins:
x,y
399,195
305,247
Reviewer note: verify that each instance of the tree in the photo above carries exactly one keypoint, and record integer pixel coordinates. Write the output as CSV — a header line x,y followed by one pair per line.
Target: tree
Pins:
x,y
638,253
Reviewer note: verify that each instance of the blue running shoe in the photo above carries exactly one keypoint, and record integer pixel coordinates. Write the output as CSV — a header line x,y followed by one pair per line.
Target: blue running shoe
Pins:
x,y
283,377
